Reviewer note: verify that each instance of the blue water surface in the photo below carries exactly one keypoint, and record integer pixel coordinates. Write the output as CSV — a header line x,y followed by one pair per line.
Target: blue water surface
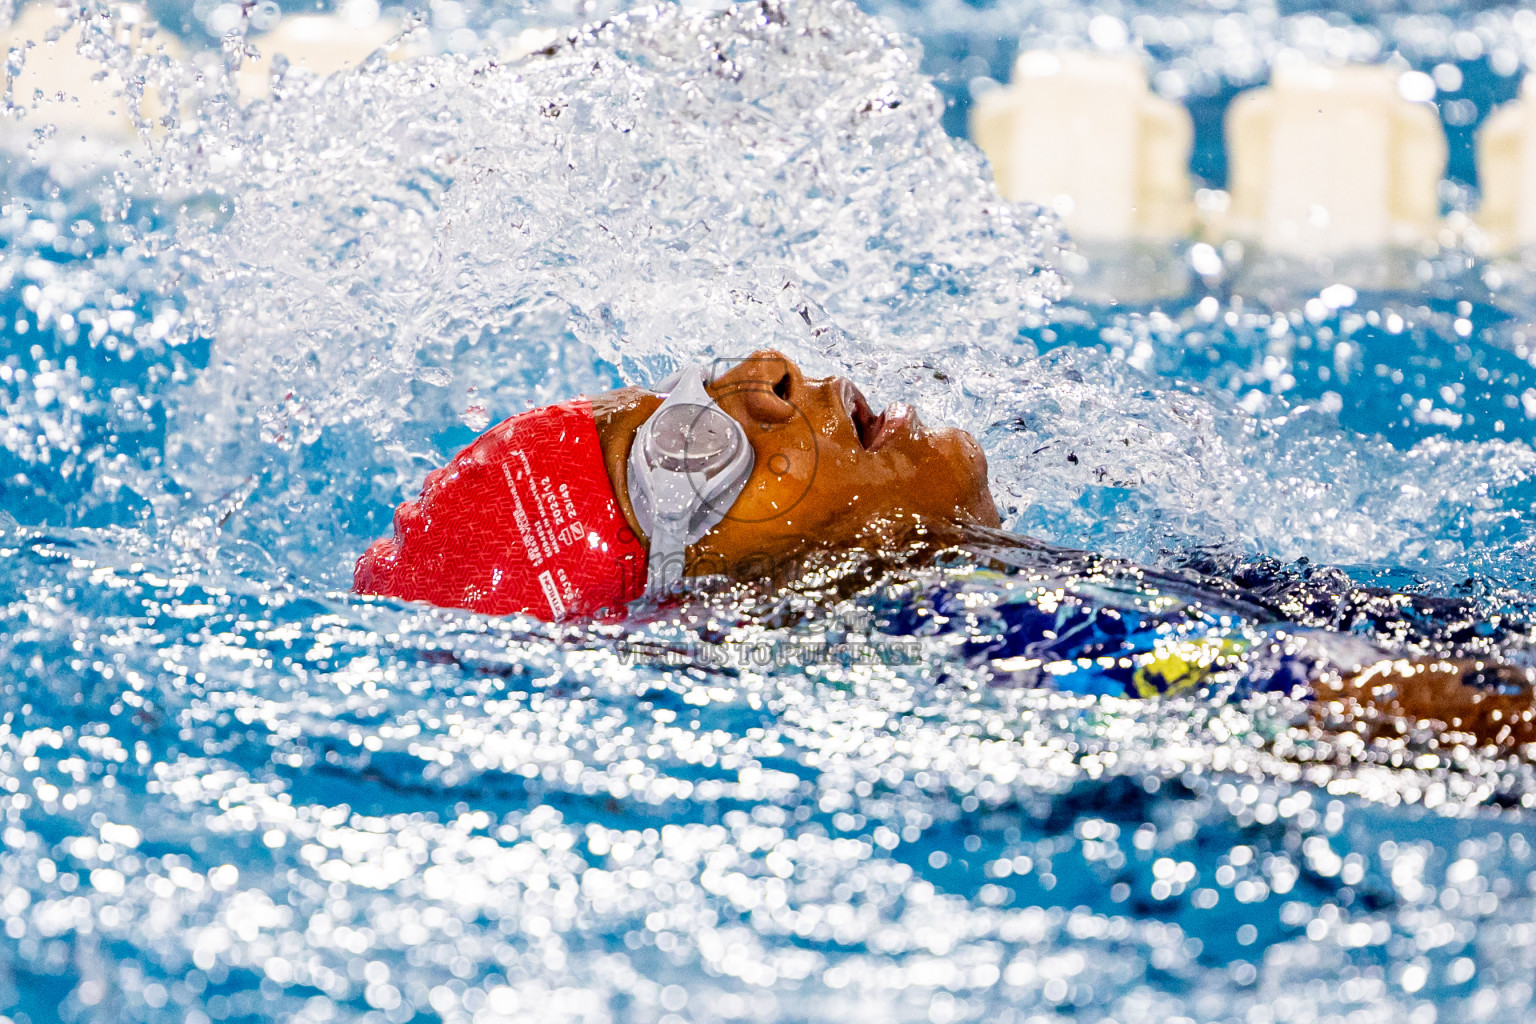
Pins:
x,y
231,790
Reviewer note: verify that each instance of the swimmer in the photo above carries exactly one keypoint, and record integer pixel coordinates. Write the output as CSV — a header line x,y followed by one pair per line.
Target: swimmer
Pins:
x,y
735,470
743,470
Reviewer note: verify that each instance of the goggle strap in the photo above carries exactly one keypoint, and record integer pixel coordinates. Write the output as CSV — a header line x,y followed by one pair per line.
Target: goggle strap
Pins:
x,y
664,564
675,378
670,529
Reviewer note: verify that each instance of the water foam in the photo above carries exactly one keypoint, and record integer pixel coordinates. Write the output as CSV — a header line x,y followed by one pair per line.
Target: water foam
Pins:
x,y
229,788
383,260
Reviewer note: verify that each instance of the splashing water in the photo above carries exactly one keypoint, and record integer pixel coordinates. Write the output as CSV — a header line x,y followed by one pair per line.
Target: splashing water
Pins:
x,y
231,790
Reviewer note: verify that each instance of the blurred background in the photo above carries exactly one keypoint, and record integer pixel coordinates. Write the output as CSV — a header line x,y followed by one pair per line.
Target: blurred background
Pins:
x,y
1307,130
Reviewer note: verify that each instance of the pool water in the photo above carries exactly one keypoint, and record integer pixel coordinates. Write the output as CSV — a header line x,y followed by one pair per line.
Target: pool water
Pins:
x,y
231,790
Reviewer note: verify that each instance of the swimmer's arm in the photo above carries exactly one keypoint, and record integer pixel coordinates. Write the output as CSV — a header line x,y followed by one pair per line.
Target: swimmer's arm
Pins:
x,y
1488,704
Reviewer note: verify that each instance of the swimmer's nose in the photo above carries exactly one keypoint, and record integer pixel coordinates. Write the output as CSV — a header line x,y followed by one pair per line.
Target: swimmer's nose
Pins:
x,y
767,384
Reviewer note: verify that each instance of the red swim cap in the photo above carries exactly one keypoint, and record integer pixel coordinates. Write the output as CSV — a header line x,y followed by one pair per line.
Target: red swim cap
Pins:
x,y
523,520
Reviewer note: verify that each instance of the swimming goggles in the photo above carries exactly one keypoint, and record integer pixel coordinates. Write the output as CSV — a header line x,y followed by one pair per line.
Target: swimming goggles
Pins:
x,y
688,464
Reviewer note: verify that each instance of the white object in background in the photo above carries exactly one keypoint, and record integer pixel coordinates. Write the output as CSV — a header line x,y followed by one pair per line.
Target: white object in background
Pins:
x,y
529,40
1330,160
1506,172
1081,133
80,96
321,44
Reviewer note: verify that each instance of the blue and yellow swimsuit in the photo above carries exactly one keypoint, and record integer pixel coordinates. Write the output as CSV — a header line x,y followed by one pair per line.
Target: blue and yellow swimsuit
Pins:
x,y
1092,638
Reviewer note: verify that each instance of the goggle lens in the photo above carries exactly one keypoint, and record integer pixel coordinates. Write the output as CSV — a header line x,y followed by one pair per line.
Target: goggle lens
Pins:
x,y
692,439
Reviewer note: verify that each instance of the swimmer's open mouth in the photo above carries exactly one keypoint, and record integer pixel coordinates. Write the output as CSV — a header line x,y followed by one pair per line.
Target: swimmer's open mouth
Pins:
x,y
874,431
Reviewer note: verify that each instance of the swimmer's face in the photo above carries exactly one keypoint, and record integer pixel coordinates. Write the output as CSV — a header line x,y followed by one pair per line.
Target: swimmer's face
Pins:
x,y
827,467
